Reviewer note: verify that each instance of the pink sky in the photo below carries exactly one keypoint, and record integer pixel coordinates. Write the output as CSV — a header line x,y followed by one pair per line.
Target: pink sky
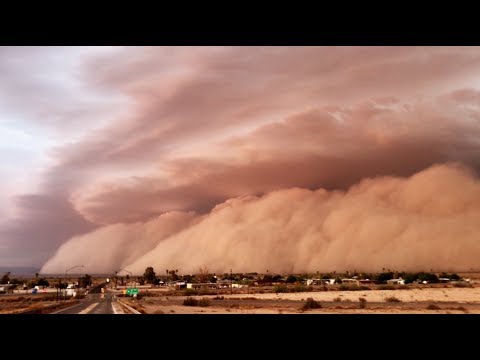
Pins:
x,y
94,137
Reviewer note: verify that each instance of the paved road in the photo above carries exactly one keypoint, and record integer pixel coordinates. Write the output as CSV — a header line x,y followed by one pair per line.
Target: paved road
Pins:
x,y
92,304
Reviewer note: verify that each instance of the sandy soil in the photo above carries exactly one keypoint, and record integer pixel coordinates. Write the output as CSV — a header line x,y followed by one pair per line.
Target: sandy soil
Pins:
x,y
412,301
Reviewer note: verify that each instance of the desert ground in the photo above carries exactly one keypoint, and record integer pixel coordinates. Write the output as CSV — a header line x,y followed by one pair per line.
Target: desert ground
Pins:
x,y
448,298
427,300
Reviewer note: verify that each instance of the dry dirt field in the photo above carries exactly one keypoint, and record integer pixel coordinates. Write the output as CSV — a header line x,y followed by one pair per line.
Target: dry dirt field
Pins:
x,y
437,300
41,303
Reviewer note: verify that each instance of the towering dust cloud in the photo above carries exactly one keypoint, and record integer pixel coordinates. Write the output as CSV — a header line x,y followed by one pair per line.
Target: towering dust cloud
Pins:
x,y
429,220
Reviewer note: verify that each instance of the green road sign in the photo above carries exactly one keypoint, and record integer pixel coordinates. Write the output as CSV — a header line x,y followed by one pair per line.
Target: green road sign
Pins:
x,y
132,291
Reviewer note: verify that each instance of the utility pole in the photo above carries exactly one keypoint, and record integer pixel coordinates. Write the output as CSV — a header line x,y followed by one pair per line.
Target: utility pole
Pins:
x,y
231,282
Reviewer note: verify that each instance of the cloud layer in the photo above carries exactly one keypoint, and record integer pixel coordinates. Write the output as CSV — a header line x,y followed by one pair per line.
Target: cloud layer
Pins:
x,y
429,220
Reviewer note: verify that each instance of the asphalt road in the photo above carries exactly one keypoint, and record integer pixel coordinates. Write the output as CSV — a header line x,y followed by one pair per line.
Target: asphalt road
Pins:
x,y
92,304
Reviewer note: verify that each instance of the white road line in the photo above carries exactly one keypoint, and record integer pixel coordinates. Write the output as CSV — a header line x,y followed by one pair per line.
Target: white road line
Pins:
x,y
88,309
70,307
113,308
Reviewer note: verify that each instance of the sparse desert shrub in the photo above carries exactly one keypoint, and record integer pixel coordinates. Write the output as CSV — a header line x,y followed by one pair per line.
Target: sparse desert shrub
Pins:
x,y
204,302
402,287
204,291
280,289
363,302
190,292
311,304
234,305
433,307
53,296
462,284
189,301
337,299
392,299
301,288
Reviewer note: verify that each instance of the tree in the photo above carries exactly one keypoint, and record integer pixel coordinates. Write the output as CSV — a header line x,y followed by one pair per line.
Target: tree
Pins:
x,y
291,279
5,278
410,278
276,278
174,274
383,277
149,274
43,282
429,278
454,277
267,279
203,274
85,281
